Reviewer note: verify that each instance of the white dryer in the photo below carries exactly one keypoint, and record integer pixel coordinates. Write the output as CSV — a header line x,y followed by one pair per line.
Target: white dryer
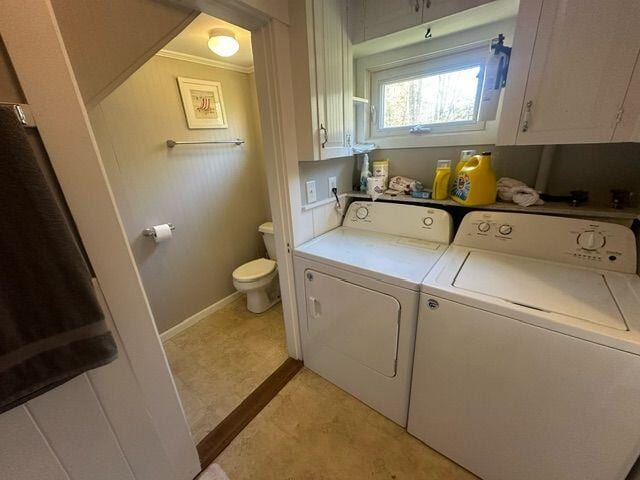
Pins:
x,y
358,292
527,361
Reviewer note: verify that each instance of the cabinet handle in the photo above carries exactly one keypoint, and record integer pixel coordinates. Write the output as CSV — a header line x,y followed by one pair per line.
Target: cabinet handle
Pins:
x,y
326,135
527,116
427,4
417,6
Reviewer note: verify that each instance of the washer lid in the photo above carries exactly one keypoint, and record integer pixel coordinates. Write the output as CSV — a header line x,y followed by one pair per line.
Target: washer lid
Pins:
x,y
401,261
254,270
553,288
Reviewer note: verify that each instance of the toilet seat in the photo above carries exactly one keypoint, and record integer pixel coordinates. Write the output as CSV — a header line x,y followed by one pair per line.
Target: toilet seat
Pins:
x,y
254,270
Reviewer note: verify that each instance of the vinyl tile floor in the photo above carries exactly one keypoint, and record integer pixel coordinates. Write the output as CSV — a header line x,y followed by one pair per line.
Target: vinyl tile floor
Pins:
x,y
312,430
219,361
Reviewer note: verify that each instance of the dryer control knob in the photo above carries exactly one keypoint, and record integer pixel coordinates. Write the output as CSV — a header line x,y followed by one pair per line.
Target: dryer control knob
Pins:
x,y
428,221
362,213
591,240
505,229
484,226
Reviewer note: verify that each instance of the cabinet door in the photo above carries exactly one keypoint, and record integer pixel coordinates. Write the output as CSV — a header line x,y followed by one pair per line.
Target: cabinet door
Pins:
x,y
628,129
382,17
584,54
435,9
333,67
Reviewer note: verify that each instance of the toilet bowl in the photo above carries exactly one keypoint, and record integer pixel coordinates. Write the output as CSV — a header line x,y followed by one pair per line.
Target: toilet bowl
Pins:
x,y
258,279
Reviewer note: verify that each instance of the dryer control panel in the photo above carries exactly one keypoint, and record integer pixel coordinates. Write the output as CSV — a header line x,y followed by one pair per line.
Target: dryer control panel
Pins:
x,y
588,243
411,221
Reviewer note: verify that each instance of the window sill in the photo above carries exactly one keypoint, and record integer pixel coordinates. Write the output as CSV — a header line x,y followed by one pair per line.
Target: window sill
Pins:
x,y
470,137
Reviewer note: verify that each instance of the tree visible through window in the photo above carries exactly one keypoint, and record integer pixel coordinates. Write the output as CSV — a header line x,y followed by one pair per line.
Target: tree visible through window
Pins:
x,y
444,97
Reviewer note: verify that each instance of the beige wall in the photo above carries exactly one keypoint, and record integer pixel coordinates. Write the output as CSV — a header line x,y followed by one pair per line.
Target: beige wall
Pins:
x,y
10,91
108,40
214,194
597,168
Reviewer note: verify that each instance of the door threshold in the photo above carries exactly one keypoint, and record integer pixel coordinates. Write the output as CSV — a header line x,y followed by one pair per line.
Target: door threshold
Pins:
x,y
223,434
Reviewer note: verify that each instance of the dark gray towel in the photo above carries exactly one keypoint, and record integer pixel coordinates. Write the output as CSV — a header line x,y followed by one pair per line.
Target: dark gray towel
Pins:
x,y
51,325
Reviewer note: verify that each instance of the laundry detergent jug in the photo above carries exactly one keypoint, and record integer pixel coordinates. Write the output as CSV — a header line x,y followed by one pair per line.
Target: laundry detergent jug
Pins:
x,y
475,184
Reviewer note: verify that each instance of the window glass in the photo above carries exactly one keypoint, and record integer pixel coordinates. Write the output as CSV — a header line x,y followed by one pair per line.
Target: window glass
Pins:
x,y
444,97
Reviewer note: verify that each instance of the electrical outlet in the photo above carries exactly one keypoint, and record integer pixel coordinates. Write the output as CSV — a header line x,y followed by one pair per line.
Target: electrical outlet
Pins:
x,y
333,183
311,191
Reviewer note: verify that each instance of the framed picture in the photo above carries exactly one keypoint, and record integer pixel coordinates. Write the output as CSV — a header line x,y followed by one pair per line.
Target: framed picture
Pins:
x,y
203,103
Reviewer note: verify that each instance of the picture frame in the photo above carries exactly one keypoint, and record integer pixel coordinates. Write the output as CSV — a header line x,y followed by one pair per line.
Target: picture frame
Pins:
x,y
203,103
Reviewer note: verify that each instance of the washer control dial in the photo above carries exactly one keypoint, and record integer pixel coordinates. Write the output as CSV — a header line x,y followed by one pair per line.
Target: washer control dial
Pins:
x,y
484,226
428,221
505,229
362,213
591,240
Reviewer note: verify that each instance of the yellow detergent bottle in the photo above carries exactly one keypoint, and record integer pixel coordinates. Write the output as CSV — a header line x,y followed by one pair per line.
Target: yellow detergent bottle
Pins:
x,y
465,156
441,180
475,184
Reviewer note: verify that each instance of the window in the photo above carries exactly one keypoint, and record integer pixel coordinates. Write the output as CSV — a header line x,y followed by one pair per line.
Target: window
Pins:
x,y
439,95
444,97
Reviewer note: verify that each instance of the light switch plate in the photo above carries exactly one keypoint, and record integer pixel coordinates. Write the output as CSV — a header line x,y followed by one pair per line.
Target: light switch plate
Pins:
x,y
311,191
333,183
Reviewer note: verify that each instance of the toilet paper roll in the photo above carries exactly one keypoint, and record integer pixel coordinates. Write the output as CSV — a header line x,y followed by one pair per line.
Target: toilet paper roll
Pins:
x,y
162,233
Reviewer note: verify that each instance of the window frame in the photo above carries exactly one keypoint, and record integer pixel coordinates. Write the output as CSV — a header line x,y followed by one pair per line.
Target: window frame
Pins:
x,y
472,57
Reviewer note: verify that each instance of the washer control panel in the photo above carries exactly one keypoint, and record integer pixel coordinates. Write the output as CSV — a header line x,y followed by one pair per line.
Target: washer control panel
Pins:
x,y
404,220
608,246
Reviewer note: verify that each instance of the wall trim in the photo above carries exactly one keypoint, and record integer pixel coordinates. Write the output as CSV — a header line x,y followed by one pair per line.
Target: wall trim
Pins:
x,y
203,61
326,201
193,319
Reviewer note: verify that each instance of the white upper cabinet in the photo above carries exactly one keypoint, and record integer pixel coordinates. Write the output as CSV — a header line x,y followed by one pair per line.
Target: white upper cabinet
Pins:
x,y
570,76
377,18
436,9
628,129
333,76
386,16
322,79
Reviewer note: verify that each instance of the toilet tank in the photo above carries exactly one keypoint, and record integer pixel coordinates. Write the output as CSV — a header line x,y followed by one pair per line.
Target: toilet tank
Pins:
x,y
266,229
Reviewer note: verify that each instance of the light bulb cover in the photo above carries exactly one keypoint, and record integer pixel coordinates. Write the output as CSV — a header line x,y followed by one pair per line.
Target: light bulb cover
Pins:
x,y
223,42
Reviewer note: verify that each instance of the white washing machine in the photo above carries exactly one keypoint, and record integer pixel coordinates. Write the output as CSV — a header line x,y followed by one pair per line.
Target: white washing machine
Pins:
x,y
358,292
527,362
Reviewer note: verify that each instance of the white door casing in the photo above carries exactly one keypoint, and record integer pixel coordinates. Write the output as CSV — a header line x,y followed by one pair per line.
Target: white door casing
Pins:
x,y
141,414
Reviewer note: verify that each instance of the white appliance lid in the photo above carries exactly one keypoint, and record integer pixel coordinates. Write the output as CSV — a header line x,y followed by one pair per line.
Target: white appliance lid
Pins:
x,y
397,260
561,289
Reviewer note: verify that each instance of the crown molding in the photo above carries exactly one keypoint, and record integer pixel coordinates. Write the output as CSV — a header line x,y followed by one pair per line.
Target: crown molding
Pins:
x,y
203,61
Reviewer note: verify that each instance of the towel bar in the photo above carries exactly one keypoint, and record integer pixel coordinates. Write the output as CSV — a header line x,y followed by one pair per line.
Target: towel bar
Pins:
x,y
23,112
173,143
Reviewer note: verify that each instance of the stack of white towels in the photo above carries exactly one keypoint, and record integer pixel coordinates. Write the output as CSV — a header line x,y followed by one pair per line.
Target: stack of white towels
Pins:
x,y
512,190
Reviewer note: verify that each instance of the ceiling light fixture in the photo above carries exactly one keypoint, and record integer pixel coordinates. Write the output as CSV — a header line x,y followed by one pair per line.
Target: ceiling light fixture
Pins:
x,y
223,42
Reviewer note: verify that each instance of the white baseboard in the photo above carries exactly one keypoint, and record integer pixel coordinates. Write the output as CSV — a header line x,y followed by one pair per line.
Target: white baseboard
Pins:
x,y
193,319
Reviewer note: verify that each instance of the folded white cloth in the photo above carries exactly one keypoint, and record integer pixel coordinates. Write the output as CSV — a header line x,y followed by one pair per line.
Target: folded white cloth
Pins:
x,y
512,190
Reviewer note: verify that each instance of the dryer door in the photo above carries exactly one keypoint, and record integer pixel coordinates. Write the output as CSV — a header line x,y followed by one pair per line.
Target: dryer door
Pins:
x,y
355,321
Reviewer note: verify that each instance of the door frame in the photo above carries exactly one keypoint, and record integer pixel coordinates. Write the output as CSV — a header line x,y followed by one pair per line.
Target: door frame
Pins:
x,y
38,54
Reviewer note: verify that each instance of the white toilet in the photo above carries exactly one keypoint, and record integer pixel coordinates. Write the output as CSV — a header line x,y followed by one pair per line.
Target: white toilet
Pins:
x,y
259,278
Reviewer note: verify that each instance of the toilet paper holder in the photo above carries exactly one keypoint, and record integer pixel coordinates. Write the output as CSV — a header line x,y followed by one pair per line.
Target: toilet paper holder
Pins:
x,y
149,232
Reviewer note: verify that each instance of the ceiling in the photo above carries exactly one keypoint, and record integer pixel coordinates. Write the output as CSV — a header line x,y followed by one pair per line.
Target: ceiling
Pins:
x,y
193,41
